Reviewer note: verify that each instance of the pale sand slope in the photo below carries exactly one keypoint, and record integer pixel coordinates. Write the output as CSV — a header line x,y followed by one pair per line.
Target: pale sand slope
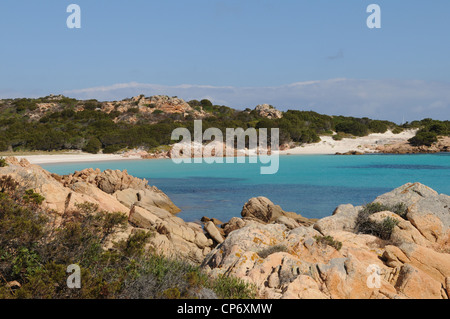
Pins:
x,y
362,144
74,158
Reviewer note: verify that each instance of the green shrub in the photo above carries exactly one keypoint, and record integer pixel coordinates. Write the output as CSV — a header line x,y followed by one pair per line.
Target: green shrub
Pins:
x,y
328,241
386,227
228,287
8,184
133,110
397,130
378,126
352,127
3,145
93,146
423,138
3,162
25,104
32,197
110,149
439,128
382,229
91,105
171,293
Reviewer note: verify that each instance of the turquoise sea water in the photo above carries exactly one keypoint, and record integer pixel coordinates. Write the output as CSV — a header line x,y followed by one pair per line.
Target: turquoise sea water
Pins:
x,y
312,185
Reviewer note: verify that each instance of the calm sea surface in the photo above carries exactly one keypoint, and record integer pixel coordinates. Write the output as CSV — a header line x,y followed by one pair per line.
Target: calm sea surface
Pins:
x,y
312,185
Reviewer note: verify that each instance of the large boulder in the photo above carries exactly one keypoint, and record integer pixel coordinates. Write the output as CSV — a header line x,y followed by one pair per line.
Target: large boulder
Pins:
x,y
268,111
146,198
428,211
343,218
262,209
127,189
214,232
282,262
39,180
331,259
90,193
108,181
172,236
416,284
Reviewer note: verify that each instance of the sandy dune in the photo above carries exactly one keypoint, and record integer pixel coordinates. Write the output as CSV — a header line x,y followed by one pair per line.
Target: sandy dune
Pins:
x,y
362,144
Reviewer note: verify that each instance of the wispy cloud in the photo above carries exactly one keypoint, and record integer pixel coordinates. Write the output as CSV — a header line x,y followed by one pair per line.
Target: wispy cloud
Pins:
x,y
382,99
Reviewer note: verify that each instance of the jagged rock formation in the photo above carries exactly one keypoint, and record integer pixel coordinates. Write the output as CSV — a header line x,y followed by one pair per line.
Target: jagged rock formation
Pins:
x,y
115,191
404,147
152,108
283,254
263,210
268,111
125,188
308,262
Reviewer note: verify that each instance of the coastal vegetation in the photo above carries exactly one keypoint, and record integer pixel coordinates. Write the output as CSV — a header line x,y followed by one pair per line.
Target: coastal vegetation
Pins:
x,y
35,254
429,131
382,229
329,241
61,123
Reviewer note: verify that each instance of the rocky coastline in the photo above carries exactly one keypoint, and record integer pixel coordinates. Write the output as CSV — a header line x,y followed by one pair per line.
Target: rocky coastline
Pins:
x,y
285,255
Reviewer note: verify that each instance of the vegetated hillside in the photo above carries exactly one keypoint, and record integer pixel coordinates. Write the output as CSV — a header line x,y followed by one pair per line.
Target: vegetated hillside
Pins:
x,y
62,123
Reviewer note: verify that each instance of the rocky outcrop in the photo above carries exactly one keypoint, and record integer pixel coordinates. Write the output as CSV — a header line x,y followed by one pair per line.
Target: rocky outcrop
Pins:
x,y
266,110
172,236
146,198
404,147
127,189
284,254
263,210
331,259
350,153
147,207
108,181
343,219
160,105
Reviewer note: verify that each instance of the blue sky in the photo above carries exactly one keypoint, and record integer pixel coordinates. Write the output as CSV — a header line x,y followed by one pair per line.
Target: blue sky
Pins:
x,y
235,53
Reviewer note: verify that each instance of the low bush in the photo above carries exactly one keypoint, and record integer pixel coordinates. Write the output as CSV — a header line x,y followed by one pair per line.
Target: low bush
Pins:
x,y
93,146
424,138
32,197
382,229
328,241
228,287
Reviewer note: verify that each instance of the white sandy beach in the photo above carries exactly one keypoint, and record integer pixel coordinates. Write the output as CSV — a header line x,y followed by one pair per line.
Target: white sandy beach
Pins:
x,y
326,146
74,158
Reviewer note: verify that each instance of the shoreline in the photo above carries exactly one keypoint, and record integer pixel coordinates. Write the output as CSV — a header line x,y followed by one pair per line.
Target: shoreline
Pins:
x,y
74,158
327,146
